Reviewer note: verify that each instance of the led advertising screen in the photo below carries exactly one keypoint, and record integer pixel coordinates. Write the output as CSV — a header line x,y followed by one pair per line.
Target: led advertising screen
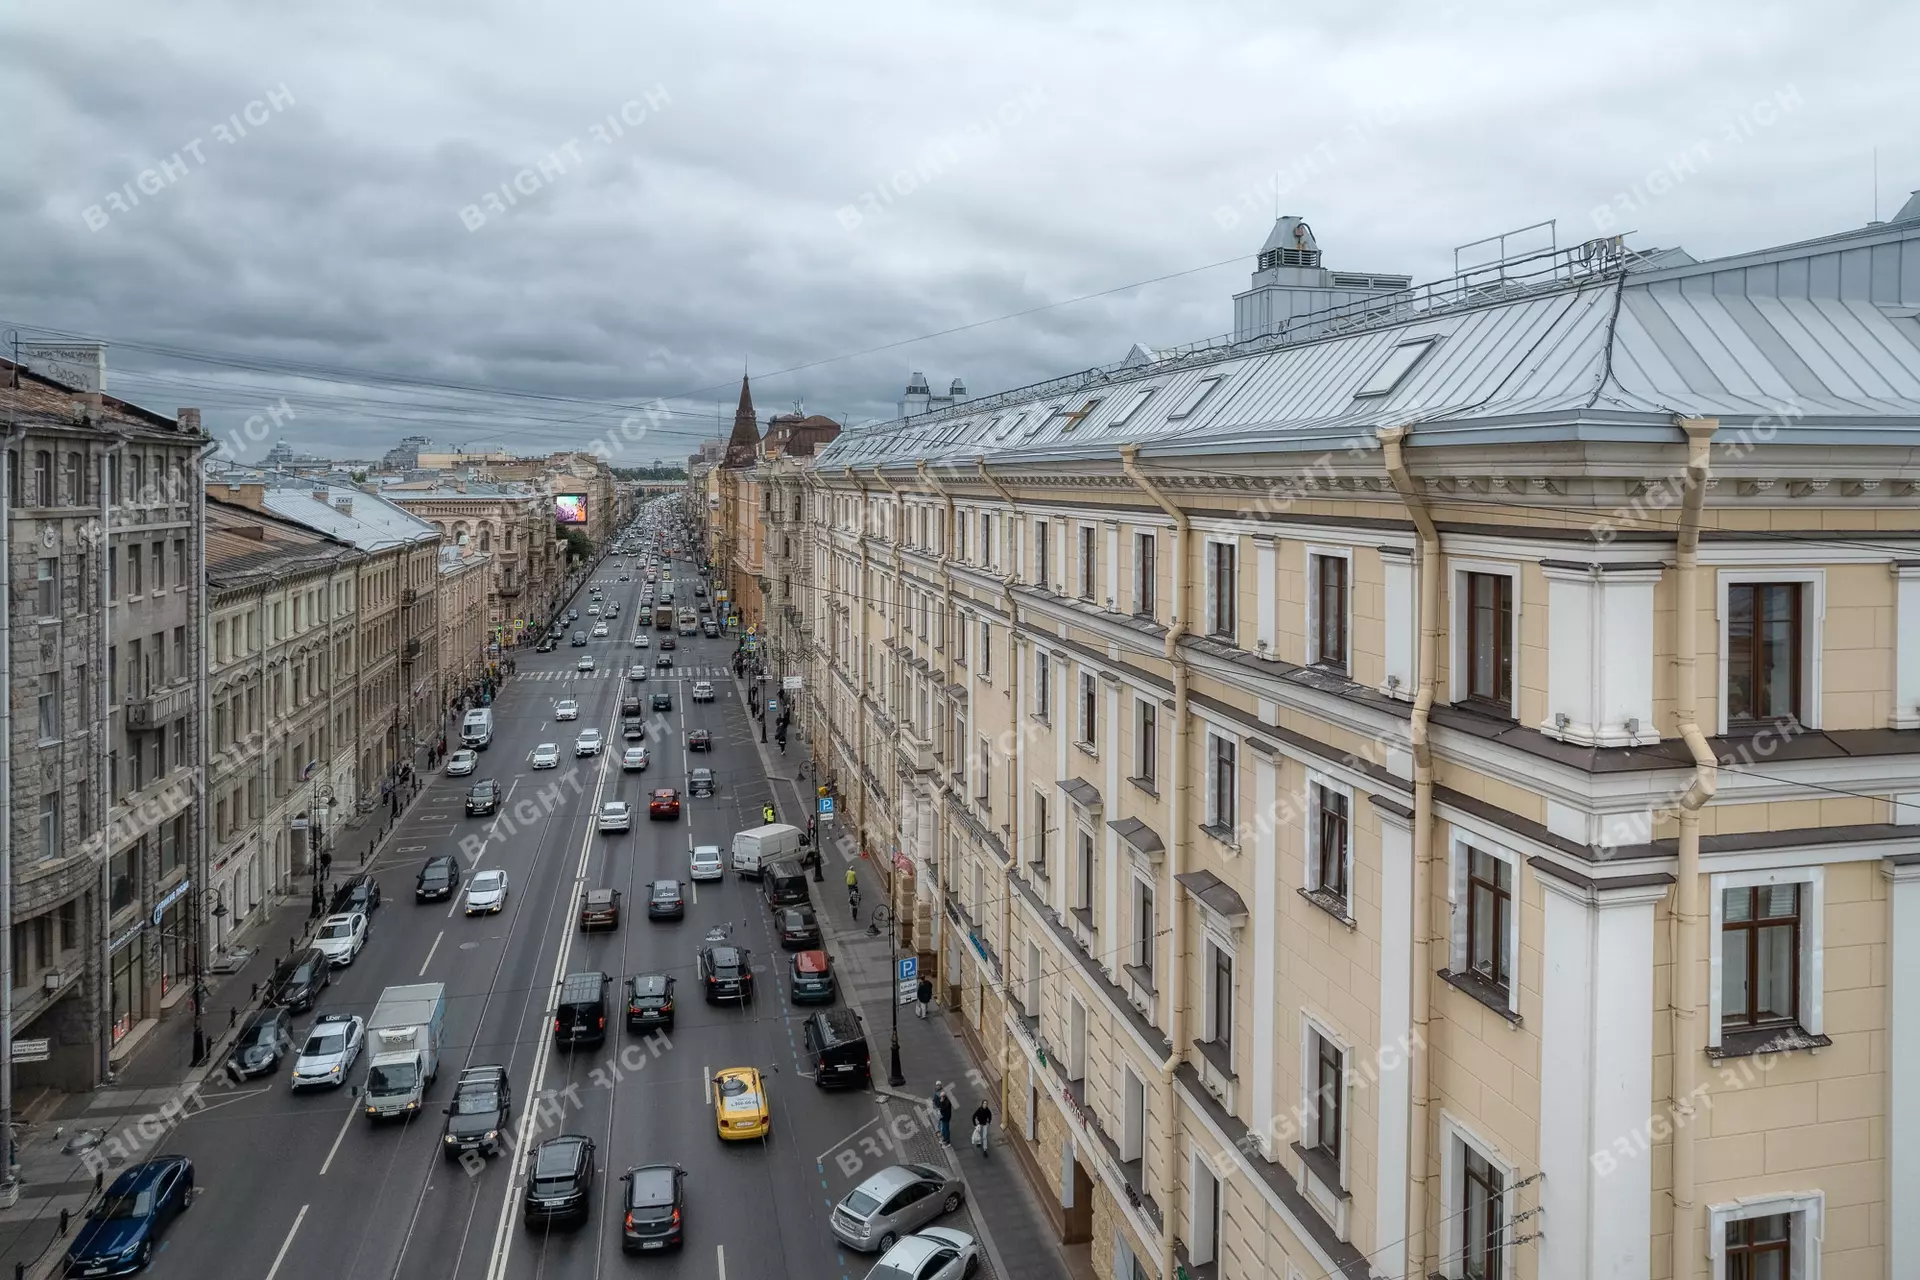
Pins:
x,y
570,508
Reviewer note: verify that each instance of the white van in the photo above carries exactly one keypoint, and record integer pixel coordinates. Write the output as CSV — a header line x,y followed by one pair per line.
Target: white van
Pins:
x,y
756,850
476,730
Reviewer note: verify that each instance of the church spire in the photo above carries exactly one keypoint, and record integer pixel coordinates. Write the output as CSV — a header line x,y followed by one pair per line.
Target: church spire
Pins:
x,y
744,444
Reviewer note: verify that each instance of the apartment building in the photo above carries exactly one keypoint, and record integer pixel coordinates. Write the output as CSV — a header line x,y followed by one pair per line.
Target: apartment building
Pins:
x,y
280,711
1431,788
103,529
465,613
511,525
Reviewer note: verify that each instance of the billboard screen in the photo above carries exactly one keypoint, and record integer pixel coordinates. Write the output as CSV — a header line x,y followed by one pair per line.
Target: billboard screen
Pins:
x,y
570,508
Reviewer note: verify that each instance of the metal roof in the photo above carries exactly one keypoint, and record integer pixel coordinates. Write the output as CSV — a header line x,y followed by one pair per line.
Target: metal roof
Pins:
x,y
371,524
1594,341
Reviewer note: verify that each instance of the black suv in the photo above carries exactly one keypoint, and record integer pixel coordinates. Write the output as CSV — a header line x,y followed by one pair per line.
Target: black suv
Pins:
x,y
263,1042
726,972
656,1200
300,978
700,782
483,797
477,1116
559,1182
361,893
662,700
649,1001
581,1015
438,879
838,1046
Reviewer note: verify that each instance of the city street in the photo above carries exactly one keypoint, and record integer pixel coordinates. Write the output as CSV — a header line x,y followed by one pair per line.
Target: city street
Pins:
x,y
304,1188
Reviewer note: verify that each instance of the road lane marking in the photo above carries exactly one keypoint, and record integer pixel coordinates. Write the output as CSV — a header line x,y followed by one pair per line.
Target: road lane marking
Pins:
x,y
430,950
719,1254
286,1244
328,1163
821,1159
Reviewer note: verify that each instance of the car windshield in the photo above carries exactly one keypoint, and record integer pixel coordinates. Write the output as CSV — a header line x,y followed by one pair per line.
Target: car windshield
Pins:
x,y
486,882
476,1103
263,1032
116,1208
860,1203
337,929
396,1077
325,1043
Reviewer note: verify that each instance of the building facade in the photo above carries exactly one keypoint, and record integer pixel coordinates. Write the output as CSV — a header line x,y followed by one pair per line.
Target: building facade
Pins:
x,y
465,611
1432,788
104,527
511,527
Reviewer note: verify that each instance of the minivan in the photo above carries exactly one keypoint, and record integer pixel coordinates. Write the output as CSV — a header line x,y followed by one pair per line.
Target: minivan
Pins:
x,y
476,730
786,885
581,1014
837,1044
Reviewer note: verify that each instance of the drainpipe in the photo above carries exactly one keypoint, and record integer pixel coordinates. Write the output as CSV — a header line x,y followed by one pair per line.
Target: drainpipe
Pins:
x,y
1686,889
1421,991
1176,842
104,801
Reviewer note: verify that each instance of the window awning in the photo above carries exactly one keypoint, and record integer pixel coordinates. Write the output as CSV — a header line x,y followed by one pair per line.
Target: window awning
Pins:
x,y
1216,895
1139,836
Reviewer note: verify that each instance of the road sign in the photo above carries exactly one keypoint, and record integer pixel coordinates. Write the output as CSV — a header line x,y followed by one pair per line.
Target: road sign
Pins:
x,y
826,806
909,968
32,1050
793,684
909,992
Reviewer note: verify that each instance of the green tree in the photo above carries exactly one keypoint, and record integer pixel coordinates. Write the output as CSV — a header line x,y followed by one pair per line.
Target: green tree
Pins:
x,y
579,545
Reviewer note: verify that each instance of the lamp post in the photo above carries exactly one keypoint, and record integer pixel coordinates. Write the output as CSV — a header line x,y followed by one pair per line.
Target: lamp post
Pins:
x,y
218,913
895,1076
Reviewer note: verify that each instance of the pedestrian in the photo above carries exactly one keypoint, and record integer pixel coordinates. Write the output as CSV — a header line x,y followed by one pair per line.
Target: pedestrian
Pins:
x,y
769,815
982,1117
923,996
943,1106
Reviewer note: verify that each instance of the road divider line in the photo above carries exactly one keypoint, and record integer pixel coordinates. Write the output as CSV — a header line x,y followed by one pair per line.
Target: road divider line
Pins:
x,y
720,1259
430,950
334,1149
286,1244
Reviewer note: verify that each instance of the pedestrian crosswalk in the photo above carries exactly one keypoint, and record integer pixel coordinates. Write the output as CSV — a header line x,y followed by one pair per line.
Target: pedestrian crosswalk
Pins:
x,y
612,671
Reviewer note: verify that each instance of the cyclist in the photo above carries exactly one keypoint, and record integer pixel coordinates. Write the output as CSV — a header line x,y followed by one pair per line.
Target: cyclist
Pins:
x,y
853,892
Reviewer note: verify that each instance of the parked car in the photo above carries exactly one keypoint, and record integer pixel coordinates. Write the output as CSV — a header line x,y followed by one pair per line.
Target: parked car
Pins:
x,y
649,1001
615,815
938,1253
665,803
333,1045
893,1202
600,909
299,979
477,1116
700,781
811,980
483,798
360,893
559,1182
546,645
656,1208
264,1040
341,937
726,972
437,880
798,928
487,893
462,762
710,628
118,1235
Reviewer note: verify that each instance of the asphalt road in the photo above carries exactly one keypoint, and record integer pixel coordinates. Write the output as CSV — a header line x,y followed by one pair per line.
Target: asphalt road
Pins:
x,y
302,1187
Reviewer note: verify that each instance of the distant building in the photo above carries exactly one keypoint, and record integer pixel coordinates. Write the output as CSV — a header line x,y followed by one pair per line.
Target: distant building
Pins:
x,y
920,398
1288,281
406,455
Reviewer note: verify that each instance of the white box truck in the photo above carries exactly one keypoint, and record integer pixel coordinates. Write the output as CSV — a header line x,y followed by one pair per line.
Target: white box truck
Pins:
x,y
476,730
403,1047
756,850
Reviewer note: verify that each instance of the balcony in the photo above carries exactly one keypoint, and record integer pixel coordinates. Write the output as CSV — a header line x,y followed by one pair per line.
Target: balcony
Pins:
x,y
411,650
158,710
508,590
409,597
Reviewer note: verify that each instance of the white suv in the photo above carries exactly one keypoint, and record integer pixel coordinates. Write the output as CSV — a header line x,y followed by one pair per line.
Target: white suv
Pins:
x,y
703,691
588,743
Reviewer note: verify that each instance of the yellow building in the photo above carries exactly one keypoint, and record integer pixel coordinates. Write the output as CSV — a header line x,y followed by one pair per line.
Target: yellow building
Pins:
x,y
1430,790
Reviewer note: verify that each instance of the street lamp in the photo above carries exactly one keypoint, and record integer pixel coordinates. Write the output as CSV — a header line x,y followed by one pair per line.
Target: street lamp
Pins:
x,y
218,913
895,1076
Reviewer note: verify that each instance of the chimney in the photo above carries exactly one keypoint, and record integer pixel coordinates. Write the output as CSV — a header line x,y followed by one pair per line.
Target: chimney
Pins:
x,y
79,366
251,496
320,496
188,420
343,504
958,391
255,532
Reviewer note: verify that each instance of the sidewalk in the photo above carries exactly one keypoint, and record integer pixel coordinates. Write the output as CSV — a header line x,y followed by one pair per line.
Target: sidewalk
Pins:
x,y
67,1137
1016,1236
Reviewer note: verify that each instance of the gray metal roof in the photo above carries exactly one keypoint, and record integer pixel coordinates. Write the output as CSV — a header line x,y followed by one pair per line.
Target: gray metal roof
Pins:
x,y
372,523
1593,342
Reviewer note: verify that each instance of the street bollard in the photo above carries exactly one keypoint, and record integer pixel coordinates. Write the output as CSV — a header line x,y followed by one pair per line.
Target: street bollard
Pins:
x,y
66,1216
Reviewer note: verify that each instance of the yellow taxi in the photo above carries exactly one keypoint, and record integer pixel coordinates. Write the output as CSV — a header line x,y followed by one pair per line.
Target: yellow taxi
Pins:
x,y
740,1104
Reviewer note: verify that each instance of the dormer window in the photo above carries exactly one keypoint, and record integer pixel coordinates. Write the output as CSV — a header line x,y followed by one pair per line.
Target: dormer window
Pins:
x,y
1195,397
1399,363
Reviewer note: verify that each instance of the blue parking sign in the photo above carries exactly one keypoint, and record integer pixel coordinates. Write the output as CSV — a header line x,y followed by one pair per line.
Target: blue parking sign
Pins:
x,y
909,968
826,806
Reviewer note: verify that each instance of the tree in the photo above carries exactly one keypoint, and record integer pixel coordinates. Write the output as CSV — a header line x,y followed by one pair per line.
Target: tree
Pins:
x,y
579,545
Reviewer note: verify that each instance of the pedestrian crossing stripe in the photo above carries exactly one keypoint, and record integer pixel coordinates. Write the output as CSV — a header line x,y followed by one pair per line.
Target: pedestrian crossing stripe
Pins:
x,y
611,672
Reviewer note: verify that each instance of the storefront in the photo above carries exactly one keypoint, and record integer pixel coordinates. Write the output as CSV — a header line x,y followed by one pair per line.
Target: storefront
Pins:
x,y
129,970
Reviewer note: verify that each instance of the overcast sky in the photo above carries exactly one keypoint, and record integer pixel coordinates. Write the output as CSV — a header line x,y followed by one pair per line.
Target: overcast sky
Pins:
x,y
777,185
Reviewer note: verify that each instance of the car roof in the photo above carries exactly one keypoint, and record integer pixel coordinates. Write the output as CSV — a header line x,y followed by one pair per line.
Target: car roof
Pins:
x,y
889,1180
651,1184
262,1017
650,983
814,961
909,1252
613,804
559,1155
491,874
492,1073
340,917
599,895
141,1176
724,954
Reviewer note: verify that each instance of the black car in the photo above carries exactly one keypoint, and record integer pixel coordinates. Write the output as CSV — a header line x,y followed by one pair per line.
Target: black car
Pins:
x,y
726,973
263,1042
573,615
700,740
666,642
662,700
580,1016
477,1116
837,1044
299,979
579,639
437,880
546,645
710,628
361,893
666,902
483,797
700,782
649,1001
699,588
799,931
559,1182
656,1204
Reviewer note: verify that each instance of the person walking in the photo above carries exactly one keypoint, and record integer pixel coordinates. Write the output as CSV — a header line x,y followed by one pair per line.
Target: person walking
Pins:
x,y
943,1107
923,996
769,815
982,1117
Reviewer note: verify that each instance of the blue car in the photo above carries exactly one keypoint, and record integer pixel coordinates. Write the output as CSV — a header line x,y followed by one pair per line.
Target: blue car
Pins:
x,y
117,1238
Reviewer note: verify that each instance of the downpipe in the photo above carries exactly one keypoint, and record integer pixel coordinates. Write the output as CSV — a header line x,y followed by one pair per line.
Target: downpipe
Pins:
x,y
1420,990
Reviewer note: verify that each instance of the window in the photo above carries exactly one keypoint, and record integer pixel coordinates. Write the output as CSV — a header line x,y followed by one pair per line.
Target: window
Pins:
x,y
1221,588
134,574
1131,407
160,566
1085,871
113,573
1194,398
1144,572
1146,741
1038,858
1328,625
1398,364
1089,707
1089,559
1489,918
1489,640
1221,782
50,707
983,790
1764,629
1042,571
1143,928
1473,1228
1219,1010
1760,957
73,481
122,867
986,649
50,825
1760,1248
42,478
1330,862
1326,1099
1042,683
46,586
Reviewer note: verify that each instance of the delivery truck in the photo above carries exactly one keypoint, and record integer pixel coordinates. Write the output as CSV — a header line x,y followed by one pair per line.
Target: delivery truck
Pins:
x,y
756,850
403,1046
663,617
476,730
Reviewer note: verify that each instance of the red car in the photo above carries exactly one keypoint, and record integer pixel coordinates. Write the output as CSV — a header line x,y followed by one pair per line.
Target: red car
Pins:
x,y
665,804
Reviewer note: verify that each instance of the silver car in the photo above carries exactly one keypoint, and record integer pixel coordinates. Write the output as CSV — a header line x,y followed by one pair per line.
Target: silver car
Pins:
x,y
486,893
333,1042
938,1253
546,756
892,1203
461,763
706,864
634,759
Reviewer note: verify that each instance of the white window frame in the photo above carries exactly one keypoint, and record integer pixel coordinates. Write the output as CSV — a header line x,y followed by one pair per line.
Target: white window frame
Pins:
x,y
1455,1138
1458,658
1042,555
1087,712
1809,1208
1813,928
1211,942
1133,406
1150,774
1213,587
1458,866
1203,1244
1310,1027
1813,617
1087,542
1311,872
1315,554
1195,396
1213,799
1138,955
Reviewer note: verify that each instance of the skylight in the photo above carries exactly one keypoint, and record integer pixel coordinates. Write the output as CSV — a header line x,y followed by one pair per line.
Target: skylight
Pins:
x,y
1132,406
1079,415
1398,364
1013,425
1195,396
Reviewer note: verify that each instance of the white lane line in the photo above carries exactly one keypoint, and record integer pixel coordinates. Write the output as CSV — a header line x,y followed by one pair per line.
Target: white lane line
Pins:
x,y
719,1254
706,1093
821,1159
430,950
286,1244
693,887
332,1150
